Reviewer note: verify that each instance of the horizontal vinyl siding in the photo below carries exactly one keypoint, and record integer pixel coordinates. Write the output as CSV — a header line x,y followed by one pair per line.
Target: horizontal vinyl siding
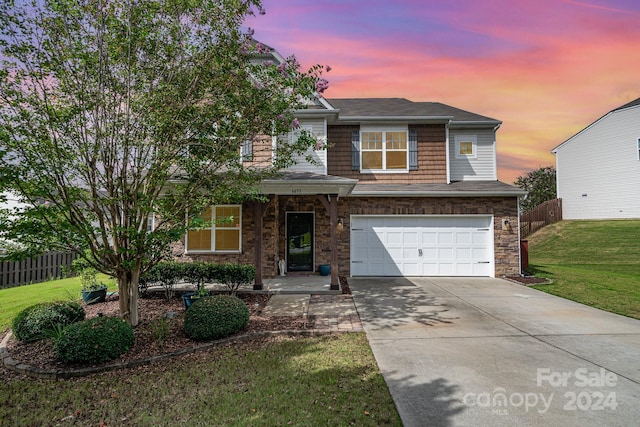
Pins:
x,y
320,156
602,162
481,168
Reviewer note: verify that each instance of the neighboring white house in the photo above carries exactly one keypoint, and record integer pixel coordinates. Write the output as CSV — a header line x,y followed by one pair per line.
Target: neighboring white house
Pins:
x,y
598,169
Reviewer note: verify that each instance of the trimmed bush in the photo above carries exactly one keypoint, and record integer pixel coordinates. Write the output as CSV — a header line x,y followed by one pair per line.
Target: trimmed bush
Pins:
x,y
94,341
234,275
215,317
168,273
42,320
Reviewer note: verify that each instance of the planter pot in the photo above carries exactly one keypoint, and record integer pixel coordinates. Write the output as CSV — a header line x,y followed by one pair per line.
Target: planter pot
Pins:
x,y
95,296
325,269
189,298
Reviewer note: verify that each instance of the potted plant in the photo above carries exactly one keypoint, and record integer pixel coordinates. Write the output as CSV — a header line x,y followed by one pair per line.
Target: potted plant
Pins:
x,y
92,290
197,273
191,297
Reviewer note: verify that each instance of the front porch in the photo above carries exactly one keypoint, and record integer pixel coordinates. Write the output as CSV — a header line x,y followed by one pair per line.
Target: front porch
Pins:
x,y
313,284
290,284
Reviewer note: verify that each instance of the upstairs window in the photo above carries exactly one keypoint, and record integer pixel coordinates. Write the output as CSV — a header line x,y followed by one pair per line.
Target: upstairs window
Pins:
x,y
221,230
384,150
466,146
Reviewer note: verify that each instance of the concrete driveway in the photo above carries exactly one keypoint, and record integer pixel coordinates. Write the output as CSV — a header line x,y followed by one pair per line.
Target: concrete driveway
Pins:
x,y
488,352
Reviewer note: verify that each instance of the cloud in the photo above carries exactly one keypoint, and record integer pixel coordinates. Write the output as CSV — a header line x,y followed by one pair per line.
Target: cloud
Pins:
x,y
546,68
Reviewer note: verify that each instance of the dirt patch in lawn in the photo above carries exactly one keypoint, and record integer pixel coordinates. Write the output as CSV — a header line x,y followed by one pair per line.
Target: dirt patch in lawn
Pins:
x,y
529,280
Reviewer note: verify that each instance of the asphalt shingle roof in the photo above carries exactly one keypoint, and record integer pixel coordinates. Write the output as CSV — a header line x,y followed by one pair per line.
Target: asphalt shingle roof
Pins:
x,y
628,104
381,107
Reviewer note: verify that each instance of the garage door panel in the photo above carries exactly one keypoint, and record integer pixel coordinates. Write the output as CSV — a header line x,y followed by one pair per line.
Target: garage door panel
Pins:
x,y
422,245
445,238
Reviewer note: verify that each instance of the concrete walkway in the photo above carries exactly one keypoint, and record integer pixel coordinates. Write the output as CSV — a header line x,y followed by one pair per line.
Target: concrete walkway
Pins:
x,y
488,352
330,312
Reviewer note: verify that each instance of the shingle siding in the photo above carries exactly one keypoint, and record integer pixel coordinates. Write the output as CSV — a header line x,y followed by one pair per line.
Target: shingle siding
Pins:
x,y
432,157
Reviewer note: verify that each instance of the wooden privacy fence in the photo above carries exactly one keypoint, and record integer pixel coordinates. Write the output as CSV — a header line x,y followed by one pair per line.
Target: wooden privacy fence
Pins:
x,y
50,265
544,214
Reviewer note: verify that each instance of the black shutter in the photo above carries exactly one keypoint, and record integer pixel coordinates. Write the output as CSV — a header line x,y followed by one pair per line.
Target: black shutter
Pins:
x,y
355,150
413,150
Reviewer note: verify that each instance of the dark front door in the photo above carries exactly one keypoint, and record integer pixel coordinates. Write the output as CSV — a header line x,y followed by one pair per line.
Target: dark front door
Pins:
x,y
299,241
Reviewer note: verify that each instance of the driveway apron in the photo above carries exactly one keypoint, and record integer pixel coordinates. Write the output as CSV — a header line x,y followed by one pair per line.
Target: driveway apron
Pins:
x,y
489,352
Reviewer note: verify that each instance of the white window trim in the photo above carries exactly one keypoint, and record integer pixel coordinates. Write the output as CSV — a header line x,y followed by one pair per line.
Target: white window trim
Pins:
x,y
466,138
246,151
212,229
384,130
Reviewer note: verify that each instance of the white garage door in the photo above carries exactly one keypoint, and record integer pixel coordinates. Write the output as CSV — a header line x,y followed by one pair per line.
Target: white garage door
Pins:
x,y
422,246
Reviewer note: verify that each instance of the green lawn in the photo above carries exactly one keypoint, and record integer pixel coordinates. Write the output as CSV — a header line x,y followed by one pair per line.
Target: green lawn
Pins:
x,y
593,262
12,300
331,380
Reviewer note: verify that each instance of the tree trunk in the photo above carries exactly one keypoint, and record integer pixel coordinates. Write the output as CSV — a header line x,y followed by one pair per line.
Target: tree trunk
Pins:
x,y
128,293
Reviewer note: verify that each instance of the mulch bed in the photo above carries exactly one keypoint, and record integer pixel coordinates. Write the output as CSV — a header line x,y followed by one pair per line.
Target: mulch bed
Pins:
x,y
529,280
153,312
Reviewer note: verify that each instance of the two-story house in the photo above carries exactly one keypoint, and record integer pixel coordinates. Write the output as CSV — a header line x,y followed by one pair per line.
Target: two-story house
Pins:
x,y
397,188
598,168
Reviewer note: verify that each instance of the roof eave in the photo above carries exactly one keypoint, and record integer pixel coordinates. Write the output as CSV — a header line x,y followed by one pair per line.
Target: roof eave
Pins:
x,y
480,193
305,187
474,123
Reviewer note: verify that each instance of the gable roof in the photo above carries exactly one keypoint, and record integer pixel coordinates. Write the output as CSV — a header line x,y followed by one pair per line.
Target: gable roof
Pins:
x,y
634,103
398,108
627,105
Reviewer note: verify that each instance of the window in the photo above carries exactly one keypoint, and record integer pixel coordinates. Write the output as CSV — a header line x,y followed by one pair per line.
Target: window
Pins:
x,y
638,148
220,232
466,146
246,151
384,150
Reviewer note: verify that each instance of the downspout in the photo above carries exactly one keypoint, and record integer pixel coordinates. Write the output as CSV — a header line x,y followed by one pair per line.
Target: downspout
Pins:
x,y
495,157
448,155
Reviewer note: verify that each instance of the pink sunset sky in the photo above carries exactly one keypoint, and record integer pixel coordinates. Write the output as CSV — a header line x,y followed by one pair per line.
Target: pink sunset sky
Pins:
x,y
545,68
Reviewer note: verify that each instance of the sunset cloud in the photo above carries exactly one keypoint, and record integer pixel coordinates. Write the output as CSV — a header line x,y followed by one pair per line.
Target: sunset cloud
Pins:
x,y
546,68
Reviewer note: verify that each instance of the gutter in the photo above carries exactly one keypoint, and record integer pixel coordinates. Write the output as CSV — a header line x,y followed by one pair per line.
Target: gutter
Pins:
x,y
435,193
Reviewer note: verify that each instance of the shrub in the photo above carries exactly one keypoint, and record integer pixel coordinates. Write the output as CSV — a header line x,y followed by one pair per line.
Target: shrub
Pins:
x,y
234,275
43,320
166,274
96,340
215,317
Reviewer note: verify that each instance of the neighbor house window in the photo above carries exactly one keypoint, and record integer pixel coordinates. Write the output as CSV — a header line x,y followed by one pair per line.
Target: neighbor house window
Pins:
x,y
466,146
384,150
220,230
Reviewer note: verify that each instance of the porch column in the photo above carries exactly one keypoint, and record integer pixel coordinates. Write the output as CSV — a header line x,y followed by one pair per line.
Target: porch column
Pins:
x,y
258,211
332,207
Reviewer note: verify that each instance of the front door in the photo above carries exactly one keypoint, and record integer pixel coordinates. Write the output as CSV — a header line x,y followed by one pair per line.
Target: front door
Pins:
x,y
299,241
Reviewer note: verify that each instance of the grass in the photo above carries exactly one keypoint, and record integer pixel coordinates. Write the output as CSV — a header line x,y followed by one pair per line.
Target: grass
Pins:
x,y
330,380
13,300
592,262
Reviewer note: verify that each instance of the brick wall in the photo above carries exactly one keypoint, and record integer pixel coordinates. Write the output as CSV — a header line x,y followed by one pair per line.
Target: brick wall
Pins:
x,y
506,244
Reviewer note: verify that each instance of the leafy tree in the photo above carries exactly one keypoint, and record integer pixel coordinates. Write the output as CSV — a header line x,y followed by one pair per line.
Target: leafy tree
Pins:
x,y
541,186
113,110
